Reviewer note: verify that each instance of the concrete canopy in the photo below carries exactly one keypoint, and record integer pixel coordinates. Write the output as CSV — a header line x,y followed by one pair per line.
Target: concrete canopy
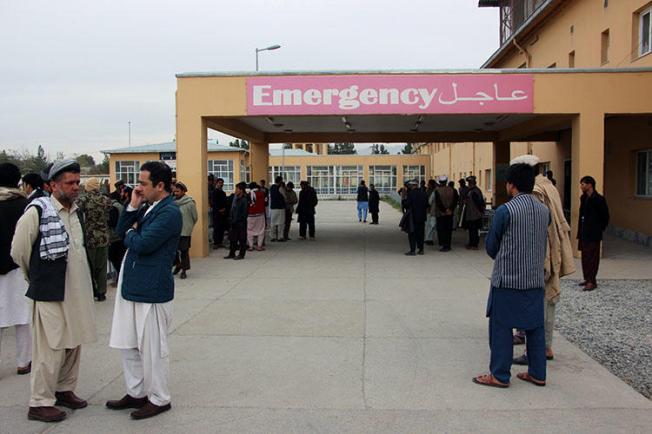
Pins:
x,y
496,106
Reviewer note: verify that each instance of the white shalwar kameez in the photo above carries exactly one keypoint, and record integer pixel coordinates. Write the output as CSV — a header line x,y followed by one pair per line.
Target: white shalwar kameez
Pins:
x,y
141,330
14,312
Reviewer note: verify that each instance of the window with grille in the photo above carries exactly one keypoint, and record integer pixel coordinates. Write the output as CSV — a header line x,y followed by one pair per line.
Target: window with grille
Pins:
x,y
348,178
645,31
644,173
322,179
414,172
127,171
222,169
383,178
289,174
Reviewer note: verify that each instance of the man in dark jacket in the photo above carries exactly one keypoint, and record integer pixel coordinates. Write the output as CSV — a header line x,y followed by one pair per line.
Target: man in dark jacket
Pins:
x,y
374,204
593,220
33,186
363,201
306,210
220,215
143,308
14,309
444,207
474,207
238,214
416,206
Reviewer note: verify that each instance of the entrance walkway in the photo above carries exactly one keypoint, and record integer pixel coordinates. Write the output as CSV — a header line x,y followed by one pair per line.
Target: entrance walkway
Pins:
x,y
344,334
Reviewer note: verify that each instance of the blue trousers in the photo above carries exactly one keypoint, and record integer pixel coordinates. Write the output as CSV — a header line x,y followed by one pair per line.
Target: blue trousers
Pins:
x,y
363,207
509,309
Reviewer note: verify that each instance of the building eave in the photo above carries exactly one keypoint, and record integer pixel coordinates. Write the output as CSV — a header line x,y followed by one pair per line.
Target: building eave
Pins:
x,y
533,22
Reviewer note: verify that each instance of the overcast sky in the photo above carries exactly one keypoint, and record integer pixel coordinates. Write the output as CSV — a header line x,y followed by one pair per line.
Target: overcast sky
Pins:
x,y
73,73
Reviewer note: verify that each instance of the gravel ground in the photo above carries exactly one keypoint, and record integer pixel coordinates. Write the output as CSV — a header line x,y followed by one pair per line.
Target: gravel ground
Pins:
x,y
612,324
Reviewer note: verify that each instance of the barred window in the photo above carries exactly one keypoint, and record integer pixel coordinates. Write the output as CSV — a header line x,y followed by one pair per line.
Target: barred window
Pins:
x,y
222,169
383,178
644,173
414,172
127,171
322,179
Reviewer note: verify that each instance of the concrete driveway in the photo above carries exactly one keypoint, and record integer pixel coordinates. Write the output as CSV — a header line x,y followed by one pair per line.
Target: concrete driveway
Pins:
x,y
343,334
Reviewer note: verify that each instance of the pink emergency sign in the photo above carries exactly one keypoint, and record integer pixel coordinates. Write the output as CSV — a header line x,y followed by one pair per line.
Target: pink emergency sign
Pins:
x,y
390,94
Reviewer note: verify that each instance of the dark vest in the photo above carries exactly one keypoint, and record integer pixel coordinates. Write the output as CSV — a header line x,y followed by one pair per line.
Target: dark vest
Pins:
x,y
47,279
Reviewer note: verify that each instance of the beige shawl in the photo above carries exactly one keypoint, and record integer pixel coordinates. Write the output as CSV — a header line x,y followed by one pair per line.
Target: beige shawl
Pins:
x,y
559,254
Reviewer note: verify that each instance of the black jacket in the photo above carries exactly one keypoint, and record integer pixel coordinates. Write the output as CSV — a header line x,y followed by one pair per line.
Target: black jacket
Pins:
x,y
239,211
374,201
307,203
218,200
276,200
594,217
10,212
363,194
416,203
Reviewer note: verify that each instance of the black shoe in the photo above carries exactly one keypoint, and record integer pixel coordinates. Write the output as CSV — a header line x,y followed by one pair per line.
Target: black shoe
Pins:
x,y
176,270
420,252
125,402
183,274
229,257
100,297
237,258
410,254
520,360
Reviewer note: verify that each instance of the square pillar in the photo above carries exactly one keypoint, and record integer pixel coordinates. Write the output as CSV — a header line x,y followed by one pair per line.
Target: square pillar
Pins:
x,y
259,160
501,156
192,170
587,156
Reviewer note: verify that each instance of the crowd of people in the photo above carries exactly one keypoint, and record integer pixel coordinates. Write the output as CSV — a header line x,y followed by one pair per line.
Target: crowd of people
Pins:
x,y
55,244
437,208
253,214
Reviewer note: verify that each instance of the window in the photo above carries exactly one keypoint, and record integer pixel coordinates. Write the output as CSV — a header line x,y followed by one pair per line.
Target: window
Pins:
x,y
571,59
127,171
645,31
322,179
414,172
383,178
289,174
644,173
348,178
222,169
604,47
488,180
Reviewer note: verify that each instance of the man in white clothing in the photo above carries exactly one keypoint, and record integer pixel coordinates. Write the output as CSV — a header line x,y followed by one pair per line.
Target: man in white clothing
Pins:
x,y
143,305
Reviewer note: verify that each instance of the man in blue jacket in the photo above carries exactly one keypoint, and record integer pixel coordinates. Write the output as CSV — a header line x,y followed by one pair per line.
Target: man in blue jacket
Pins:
x,y
151,226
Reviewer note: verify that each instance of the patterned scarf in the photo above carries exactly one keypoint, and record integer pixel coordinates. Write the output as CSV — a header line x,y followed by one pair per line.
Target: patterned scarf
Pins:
x,y
54,238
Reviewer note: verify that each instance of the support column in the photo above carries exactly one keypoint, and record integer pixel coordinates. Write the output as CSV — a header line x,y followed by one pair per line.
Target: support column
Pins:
x,y
192,170
501,156
259,158
587,154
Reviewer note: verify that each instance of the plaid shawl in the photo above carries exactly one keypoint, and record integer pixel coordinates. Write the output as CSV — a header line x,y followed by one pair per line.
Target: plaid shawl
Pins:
x,y
54,238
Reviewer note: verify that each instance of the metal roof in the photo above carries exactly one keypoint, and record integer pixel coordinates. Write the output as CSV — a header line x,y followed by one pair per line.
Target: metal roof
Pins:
x,y
291,153
213,146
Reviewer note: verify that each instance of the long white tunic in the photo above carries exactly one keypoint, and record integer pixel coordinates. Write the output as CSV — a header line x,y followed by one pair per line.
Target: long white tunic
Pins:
x,y
14,306
129,317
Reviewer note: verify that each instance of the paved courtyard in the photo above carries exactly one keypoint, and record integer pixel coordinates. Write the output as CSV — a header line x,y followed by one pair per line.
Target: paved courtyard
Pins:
x,y
344,334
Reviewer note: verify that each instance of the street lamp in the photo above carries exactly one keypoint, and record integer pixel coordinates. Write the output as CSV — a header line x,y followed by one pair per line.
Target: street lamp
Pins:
x,y
270,48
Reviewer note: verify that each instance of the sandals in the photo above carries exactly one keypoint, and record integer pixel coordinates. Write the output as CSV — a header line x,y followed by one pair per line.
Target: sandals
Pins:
x,y
489,380
527,377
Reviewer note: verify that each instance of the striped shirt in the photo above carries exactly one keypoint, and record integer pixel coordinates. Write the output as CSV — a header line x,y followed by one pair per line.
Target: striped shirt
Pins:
x,y
517,241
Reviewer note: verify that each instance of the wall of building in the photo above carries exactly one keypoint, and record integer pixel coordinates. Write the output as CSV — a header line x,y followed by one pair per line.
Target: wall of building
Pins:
x,y
631,215
554,40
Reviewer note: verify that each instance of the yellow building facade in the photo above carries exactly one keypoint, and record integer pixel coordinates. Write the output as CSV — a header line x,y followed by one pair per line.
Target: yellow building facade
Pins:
x,y
575,34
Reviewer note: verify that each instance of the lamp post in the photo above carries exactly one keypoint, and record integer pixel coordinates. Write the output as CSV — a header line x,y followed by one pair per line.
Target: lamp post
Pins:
x,y
270,48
